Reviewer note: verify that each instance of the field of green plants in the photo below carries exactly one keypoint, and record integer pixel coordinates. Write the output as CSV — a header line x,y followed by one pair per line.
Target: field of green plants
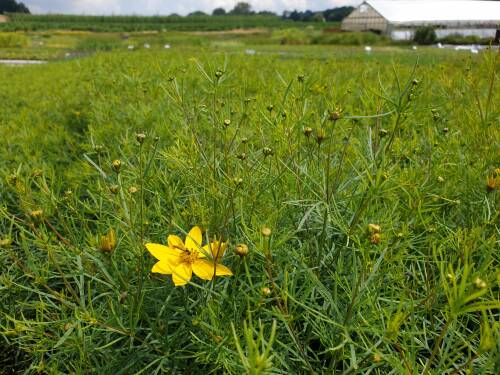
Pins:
x,y
28,22
202,210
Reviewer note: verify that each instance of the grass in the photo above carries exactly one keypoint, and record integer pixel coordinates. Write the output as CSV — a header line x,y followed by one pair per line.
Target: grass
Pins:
x,y
405,145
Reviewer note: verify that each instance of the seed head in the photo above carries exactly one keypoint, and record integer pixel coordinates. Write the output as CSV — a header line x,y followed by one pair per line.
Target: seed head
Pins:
x,y
133,190
300,78
219,73
375,238
440,179
37,173
497,171
266,291
140,137
445,130
242,156
382,133
123,297
492,183
307,131
117,164
114,189
227,122
336,114
244,140
241,250
270,108
377,358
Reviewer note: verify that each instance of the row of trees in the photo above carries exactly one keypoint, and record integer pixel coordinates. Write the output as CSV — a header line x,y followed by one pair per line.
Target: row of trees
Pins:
x,y
12,6
243,8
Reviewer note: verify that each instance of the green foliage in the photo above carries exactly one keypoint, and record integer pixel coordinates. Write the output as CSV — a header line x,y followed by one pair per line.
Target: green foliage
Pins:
x,y
468,39
425,35
403,146
13,40
12,6
98,43
140,23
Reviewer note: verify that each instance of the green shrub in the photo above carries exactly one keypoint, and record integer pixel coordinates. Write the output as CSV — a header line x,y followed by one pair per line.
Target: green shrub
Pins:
x,y
9,40
461,39
349,38
98,44
425,35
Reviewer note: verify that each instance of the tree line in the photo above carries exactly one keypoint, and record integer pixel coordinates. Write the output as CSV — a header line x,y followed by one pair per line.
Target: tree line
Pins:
x,y
240,9
12,6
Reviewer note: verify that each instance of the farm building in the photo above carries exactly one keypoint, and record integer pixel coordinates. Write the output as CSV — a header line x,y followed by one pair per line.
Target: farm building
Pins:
x,y
400,18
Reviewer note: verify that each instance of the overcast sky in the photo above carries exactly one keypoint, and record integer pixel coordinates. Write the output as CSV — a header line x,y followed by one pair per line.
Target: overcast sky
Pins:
x,y
172,6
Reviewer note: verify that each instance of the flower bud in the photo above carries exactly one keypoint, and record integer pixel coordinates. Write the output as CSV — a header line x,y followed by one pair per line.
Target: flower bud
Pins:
x,y
107,243
36,214
238,181
266,232
266,291
140,137
267,151
241,250
5,242
374,228
117,164
227,122
307,131
480,283
320,136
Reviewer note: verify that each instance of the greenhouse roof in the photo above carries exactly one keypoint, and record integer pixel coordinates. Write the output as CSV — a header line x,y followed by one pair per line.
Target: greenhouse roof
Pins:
x,y
435,11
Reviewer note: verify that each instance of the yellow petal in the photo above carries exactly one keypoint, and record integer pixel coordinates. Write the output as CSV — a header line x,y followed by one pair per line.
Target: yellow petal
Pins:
x,y
194,239
221,270
162,267
216,249
164,253
175,242
182,274
203,269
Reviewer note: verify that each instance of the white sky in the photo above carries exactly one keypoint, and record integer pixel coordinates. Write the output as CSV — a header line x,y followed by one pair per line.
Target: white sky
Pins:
x,y
164,7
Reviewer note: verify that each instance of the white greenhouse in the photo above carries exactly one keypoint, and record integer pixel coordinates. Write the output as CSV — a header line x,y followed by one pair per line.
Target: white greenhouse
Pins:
x,y
400,18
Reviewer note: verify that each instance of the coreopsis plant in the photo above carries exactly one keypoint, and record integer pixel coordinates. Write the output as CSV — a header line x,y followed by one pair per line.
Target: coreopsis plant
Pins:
x,y
180,259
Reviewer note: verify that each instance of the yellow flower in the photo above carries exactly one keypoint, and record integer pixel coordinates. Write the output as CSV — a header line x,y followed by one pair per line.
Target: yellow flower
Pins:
x,y
107,243
181,259
216,248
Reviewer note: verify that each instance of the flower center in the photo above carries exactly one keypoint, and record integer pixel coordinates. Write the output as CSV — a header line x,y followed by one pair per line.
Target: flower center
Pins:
x,y
189,256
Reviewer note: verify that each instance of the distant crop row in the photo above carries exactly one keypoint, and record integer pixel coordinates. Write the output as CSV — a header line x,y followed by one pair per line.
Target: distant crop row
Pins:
x,y
138,23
